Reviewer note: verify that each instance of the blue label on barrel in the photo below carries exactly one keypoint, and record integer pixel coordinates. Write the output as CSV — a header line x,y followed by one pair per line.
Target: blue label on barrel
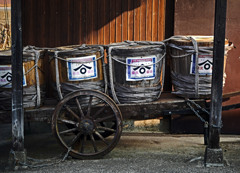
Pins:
x,y
82,68
140,68
6,76
205,62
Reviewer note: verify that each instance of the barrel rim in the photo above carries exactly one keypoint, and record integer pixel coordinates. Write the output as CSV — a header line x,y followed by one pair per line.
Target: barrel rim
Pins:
x,y
198,38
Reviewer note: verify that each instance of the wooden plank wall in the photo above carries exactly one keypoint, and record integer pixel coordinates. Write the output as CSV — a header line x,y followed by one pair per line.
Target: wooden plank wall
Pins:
x,y
197,18
50,23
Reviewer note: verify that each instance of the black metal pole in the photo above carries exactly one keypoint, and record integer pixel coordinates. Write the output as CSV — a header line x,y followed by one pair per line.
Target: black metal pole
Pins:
x,y
213,153
17,77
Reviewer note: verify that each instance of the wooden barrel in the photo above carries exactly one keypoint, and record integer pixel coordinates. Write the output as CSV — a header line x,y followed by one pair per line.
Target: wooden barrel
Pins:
x,y
136,71
77,67
34,82
189,80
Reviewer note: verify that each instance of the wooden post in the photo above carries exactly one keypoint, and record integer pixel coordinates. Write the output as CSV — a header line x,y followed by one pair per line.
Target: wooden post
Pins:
x,y
214,154
17,82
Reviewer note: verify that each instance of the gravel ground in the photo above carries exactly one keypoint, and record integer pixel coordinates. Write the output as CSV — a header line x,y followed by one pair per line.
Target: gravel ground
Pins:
x,y
136,152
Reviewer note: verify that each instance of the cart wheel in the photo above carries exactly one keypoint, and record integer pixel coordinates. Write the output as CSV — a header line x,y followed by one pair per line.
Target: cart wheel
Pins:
x,y
88,123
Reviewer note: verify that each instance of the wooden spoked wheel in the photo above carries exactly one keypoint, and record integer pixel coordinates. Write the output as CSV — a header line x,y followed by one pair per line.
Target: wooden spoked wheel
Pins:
x,y
87,123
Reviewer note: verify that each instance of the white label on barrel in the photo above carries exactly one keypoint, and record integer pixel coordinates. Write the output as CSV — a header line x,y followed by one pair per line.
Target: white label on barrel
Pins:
x,y
205,62
6,76
140,68
82,68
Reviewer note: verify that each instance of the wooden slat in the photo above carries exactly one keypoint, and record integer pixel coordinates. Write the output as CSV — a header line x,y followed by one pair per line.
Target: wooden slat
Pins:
x,y
92,22
155,20
83,22
52,25
231,94
75,23
100,22
40,21
70,21
149,20
30,20
143,20
118,20
95,22
161,20
63,22
106,21
57,20
137,5
112,21
46,23
130,20
89,21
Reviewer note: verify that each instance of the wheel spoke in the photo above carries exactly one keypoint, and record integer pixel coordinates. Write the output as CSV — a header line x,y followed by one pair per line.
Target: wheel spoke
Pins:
x,y
101,137
89,106
72,113
79,108
83,121
68,131
67,121
75,139
99,111
93,143
103,119
106,128
83,143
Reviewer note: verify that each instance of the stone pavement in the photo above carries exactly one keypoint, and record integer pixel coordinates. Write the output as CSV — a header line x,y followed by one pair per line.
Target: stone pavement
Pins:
x,y
136,152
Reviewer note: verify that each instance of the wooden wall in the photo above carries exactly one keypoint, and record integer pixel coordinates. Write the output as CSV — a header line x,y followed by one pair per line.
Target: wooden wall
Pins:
x,y
197,18
64,22
5,2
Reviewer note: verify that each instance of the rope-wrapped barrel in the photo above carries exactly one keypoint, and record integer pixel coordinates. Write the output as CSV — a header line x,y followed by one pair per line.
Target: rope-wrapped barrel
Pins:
x,y
136,71
191,79
34,81
77,67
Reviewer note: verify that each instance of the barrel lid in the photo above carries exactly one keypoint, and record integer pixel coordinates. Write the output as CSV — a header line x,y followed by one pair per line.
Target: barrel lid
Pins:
x,y
28,55
198,38
74,50
135,46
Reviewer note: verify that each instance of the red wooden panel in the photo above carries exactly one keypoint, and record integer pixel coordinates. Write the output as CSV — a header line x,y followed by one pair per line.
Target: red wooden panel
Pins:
x,y
118,20
89,21
124,20
112,21
100,22
83,22
143,13
149,20
137,5
161,20
155,20
95,22
106,21
65,22
130,20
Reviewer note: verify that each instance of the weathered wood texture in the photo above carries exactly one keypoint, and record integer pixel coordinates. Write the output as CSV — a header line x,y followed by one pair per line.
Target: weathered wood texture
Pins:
x,y
138,111
5,3
67,22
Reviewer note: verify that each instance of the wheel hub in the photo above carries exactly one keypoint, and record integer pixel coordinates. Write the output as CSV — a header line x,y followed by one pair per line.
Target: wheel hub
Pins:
x,y
86,126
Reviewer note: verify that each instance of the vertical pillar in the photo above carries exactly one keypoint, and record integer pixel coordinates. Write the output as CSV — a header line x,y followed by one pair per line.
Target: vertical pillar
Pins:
x,y
213,153
17,82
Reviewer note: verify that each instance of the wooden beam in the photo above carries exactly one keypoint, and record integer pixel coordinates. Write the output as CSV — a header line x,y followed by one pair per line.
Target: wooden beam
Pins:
x,y
17,77
214,154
